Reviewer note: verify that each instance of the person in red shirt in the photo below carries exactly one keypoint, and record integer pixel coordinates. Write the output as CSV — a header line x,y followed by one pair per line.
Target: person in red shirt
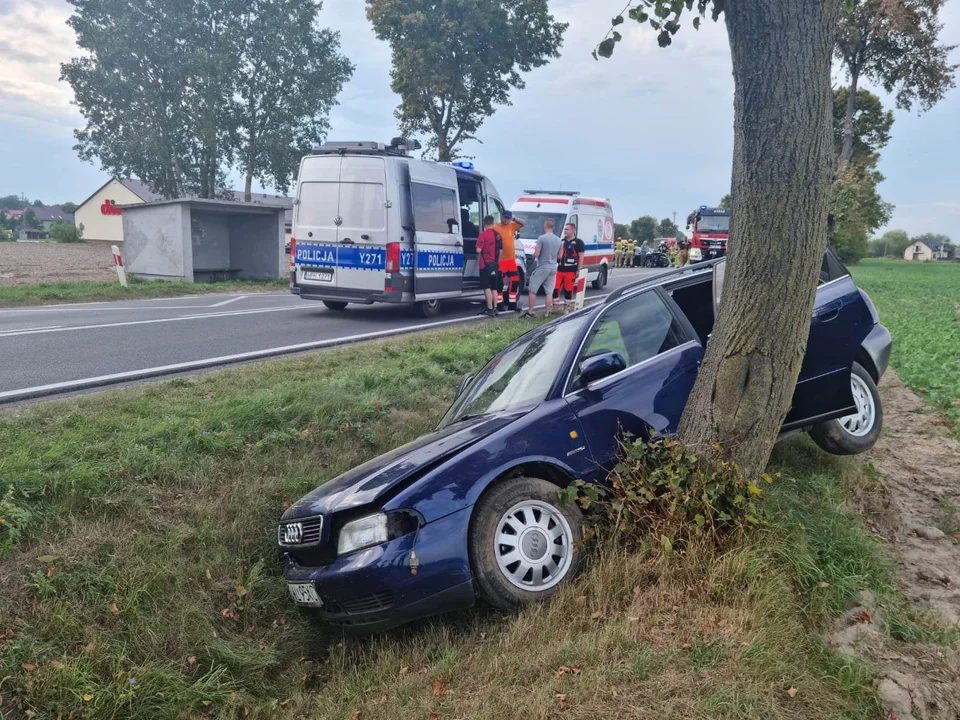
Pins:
x,y
489,249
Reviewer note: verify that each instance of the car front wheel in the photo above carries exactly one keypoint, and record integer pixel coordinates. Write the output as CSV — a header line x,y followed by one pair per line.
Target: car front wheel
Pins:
x,y
524,543
856,433
601,281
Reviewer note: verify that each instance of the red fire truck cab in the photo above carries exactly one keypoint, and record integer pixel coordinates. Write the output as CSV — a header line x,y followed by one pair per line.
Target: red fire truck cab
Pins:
x,y
711,230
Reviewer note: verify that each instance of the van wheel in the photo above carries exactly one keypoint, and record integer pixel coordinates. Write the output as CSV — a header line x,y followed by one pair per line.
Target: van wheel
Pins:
x,y
428,308
856,433
601,281
524,542
335,305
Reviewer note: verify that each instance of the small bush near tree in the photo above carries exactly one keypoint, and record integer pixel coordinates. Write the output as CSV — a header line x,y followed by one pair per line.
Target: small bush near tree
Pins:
x,y
63,232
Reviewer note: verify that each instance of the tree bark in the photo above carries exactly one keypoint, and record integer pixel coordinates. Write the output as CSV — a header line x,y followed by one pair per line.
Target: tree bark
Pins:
x,y
846,150
443,148
782,168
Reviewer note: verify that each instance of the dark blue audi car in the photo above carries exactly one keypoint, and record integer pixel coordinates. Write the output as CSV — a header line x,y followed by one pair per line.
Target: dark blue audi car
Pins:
x,y
471,510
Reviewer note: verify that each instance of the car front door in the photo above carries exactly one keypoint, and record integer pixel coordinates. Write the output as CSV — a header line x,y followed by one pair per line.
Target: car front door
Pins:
x,y
662,358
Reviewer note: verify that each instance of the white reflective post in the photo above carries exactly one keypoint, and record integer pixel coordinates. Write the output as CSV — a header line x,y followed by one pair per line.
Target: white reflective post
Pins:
x,y
118,263
581,289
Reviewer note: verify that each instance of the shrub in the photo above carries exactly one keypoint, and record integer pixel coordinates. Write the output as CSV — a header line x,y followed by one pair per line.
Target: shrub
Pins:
x,y
63,232
663,490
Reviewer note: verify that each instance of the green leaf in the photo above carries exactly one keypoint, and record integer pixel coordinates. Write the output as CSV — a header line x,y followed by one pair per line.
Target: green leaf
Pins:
x,y
617,37
605,49
618,20
667,545
46,559
696,23
699,520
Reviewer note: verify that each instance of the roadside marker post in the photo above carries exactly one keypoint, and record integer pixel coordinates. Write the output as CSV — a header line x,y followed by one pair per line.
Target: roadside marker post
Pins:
x,y
581,289
118,263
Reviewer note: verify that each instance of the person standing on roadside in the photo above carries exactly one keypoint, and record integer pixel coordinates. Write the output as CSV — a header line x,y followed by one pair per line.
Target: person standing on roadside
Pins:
x,y
489,249
617,252
509,272
684,246
568,265
545,268
644,251
628,253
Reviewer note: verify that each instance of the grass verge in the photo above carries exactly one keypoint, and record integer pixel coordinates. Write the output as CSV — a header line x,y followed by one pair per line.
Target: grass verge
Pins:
x,y
69,292
920,303
140,578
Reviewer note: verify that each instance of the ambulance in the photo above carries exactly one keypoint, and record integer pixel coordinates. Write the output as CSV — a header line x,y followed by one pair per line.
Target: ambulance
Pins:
x,y
371,224
592,216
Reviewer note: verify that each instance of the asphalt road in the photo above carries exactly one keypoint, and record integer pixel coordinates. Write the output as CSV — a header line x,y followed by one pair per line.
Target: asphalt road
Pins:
x,y
61,349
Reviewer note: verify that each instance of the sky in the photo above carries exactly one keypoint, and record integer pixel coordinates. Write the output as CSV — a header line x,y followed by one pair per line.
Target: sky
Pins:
x,y
651,128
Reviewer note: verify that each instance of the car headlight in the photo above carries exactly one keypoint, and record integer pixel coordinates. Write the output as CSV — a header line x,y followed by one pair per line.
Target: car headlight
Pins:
x,y
362,533
695,254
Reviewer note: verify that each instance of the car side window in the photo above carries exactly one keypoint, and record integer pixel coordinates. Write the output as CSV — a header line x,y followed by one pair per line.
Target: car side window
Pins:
x,y
639,328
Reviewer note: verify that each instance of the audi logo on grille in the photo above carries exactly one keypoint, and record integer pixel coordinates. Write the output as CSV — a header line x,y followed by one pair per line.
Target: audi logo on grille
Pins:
x,y
293,533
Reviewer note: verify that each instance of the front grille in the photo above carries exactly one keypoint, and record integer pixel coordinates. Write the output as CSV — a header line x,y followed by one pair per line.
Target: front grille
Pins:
x,y
370,603
300,533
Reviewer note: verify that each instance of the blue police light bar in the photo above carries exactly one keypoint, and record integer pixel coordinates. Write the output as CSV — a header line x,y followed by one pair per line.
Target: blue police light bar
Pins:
x,y
464,164
703,207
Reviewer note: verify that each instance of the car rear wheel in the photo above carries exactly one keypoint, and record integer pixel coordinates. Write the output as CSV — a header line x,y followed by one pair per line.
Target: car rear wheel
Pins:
x,y
856,433
524,543
335,304
428,308
601,281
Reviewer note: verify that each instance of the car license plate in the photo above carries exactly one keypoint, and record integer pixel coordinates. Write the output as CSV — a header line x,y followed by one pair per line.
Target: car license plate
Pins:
x,y
322,275
304,594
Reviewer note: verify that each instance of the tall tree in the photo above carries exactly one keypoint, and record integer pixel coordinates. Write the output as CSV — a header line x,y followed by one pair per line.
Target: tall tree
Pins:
x,y
69,207
290,72
667,228
454,61
893,243
871,126
725,202
621,231
782,168
894,43
644,228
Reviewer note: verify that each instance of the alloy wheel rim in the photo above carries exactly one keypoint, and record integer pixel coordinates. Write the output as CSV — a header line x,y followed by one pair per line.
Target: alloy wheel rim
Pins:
x,y
533,545
861,422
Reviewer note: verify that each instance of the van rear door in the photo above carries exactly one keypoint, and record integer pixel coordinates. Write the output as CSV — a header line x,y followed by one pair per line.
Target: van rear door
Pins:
x,y
438,260
315,221
362,217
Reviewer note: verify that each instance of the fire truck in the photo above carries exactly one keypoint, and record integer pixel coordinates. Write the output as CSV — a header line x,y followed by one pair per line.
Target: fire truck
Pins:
x,y
711,230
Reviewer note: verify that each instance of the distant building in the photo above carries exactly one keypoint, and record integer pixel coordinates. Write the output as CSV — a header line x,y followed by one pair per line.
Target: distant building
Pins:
x,y
927,250
102,217
46,217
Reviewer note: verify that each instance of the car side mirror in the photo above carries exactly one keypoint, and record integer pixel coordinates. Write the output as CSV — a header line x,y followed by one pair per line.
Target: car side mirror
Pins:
x,y
464,381
601,366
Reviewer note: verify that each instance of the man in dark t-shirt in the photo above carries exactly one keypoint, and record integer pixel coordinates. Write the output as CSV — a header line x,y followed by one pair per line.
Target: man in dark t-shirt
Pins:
x,y
569,264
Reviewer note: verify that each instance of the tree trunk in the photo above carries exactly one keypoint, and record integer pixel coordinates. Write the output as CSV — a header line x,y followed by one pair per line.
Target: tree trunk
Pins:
x,y
782,167
846,150
248,184
443,148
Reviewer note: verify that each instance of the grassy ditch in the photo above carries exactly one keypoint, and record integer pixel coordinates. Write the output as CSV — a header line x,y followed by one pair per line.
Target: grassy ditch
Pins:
x,y
140,577
920,303
74,292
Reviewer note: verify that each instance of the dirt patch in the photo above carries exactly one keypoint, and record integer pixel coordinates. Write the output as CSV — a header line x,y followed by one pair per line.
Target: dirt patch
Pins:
x,y
913,512
30,263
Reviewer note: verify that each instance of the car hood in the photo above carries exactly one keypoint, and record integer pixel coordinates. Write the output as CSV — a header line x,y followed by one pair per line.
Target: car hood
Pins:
x,y
367,483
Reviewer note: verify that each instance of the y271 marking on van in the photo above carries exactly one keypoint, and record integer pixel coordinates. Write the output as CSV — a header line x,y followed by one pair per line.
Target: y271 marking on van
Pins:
x,y
372,259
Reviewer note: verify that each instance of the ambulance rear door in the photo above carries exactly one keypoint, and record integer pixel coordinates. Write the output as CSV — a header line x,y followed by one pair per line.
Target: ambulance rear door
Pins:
x,y
438,242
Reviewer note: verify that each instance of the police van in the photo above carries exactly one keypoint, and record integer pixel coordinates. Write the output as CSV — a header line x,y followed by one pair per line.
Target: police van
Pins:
x,y
372,224
592,216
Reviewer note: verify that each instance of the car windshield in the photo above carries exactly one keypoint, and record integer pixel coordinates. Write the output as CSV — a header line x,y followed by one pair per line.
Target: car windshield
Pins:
x,y
713,224
520,376
533,223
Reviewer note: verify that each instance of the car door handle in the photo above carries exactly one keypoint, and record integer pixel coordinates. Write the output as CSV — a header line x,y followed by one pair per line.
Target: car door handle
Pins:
x,y
347,241
364,237
829,312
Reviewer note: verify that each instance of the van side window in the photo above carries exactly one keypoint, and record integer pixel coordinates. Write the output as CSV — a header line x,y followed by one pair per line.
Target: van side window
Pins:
x,y
575,221
434,208
496,210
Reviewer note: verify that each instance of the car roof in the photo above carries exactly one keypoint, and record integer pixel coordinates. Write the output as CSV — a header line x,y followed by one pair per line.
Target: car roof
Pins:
x,y
661,278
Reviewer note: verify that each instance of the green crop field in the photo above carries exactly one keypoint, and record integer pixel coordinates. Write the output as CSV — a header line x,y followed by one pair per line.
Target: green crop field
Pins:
x,y
920,303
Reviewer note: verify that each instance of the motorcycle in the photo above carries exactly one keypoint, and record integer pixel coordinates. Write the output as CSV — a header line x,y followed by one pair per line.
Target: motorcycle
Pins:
x,y
658,258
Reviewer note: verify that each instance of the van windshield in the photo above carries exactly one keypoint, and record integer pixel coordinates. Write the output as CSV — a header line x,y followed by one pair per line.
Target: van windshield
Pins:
x,y
533,223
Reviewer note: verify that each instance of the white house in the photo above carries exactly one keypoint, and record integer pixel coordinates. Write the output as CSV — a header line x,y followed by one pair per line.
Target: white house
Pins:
x,y
926,250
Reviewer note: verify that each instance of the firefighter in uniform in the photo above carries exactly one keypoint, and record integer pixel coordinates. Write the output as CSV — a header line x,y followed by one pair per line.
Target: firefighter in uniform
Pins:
x,y
568,266
617,252
509,272
628,254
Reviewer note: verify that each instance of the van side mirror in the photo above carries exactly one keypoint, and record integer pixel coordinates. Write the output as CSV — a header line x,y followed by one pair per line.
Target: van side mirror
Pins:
x,y
453,225
600,366
464,381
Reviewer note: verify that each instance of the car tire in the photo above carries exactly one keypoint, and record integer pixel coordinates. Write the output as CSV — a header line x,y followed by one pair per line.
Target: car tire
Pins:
x,y
601,281
857,433
428,308
335,305
547,550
